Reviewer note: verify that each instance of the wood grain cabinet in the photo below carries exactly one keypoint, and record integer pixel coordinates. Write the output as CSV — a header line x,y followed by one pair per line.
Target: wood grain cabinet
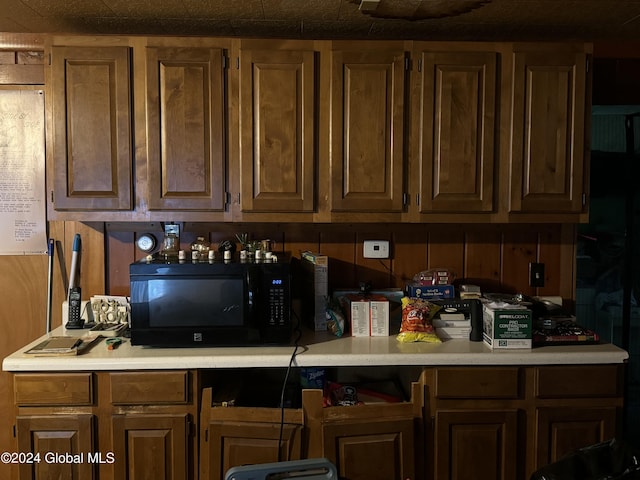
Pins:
x,y
475,424
90,126
56,422
367,127
461,422
63,444
455,119
234,436
547,158
186,163
367,442
152,424
278,125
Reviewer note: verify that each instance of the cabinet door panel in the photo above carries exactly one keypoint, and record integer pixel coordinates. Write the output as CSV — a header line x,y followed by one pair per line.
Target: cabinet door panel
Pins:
x,y
563,430
150,446
476,444
232,444
548,132
377,450
367,131
91,128
47,435
277,122
457,139
185,105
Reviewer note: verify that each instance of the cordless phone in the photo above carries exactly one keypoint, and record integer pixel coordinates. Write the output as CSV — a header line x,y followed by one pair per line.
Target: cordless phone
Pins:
x,y
75,305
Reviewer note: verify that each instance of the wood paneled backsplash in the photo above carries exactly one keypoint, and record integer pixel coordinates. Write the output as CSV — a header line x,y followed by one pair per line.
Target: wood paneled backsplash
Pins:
x,y
494,256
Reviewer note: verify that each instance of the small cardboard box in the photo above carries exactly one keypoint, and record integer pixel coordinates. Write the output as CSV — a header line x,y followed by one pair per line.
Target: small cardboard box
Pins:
x,y
507,327
359,315
316,290
430,292
379,316
368,315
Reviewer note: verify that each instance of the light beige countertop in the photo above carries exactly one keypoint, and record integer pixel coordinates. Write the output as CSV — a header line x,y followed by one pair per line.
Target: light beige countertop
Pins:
x,y
317,350
314,350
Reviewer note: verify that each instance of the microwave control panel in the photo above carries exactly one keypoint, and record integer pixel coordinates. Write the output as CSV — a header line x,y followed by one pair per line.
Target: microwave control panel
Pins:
x,y
278,301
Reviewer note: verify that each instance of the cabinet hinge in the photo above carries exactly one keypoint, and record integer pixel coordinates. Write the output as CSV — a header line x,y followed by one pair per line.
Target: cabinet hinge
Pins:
x,y
237,63
49,59
407,63
14,430
224,62
405,199
587,65
417,199
52,196
206,435
420,65
584,199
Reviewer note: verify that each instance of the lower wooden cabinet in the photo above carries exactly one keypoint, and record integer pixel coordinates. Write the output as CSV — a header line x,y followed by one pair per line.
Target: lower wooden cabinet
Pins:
x,y
367,442
460,423
561,430
470,445
150,446
58,446
234,436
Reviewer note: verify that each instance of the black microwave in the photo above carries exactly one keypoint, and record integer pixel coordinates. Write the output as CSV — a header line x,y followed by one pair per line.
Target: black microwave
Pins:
x,y
210,303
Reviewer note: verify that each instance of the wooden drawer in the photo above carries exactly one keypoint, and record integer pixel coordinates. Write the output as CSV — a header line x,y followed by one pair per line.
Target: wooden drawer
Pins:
x,y
53,389
578,381
479,382
150,388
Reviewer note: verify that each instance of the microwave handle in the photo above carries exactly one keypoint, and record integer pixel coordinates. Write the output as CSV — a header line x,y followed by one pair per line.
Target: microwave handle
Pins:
x,y
252,291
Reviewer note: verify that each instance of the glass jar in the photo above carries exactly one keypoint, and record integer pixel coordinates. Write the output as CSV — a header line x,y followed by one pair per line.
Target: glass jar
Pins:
x,y
170,246
202,247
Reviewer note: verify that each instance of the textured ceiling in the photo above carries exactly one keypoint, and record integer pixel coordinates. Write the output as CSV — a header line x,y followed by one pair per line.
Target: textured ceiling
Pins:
x,y
584,20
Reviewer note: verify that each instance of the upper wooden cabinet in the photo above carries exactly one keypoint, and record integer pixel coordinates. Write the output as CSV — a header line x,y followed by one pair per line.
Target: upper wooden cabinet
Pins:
x,y
367,128
316,131
548,131
277,129
185,128
91,119
455,146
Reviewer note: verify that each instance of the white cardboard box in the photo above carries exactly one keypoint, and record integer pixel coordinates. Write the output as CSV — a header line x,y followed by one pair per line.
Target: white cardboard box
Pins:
x,y
360,324
379,315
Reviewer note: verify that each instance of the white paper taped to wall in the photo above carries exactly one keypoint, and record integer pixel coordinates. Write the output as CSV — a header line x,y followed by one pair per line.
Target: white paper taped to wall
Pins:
x,y
22,173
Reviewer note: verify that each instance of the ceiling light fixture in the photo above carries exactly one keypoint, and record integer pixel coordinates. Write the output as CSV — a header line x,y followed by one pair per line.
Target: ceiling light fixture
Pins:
x,y
417,9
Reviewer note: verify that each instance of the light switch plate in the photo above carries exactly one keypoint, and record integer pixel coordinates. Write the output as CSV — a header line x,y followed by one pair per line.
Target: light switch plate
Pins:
x,y
376,249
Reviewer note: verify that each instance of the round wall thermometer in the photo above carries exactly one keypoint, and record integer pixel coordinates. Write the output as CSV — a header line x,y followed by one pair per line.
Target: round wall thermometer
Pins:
x,y
146,242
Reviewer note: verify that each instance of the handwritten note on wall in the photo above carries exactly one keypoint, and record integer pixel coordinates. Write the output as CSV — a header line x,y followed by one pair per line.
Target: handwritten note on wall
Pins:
x,y
23,222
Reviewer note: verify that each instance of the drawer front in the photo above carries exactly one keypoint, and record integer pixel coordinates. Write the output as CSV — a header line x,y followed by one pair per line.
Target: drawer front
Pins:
x,y
578,381
480,382
53,389
150,388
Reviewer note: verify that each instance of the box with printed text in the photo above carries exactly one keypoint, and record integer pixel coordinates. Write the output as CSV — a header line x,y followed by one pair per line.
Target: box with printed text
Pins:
x,y
507,327
315,289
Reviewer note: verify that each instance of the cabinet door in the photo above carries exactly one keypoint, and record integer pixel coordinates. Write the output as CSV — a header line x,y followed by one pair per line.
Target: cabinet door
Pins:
x,y
367,131
561,430
375,450
277,130
91,115
150,446
456,141
63,443
231,444
185,132
476,445
547,157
